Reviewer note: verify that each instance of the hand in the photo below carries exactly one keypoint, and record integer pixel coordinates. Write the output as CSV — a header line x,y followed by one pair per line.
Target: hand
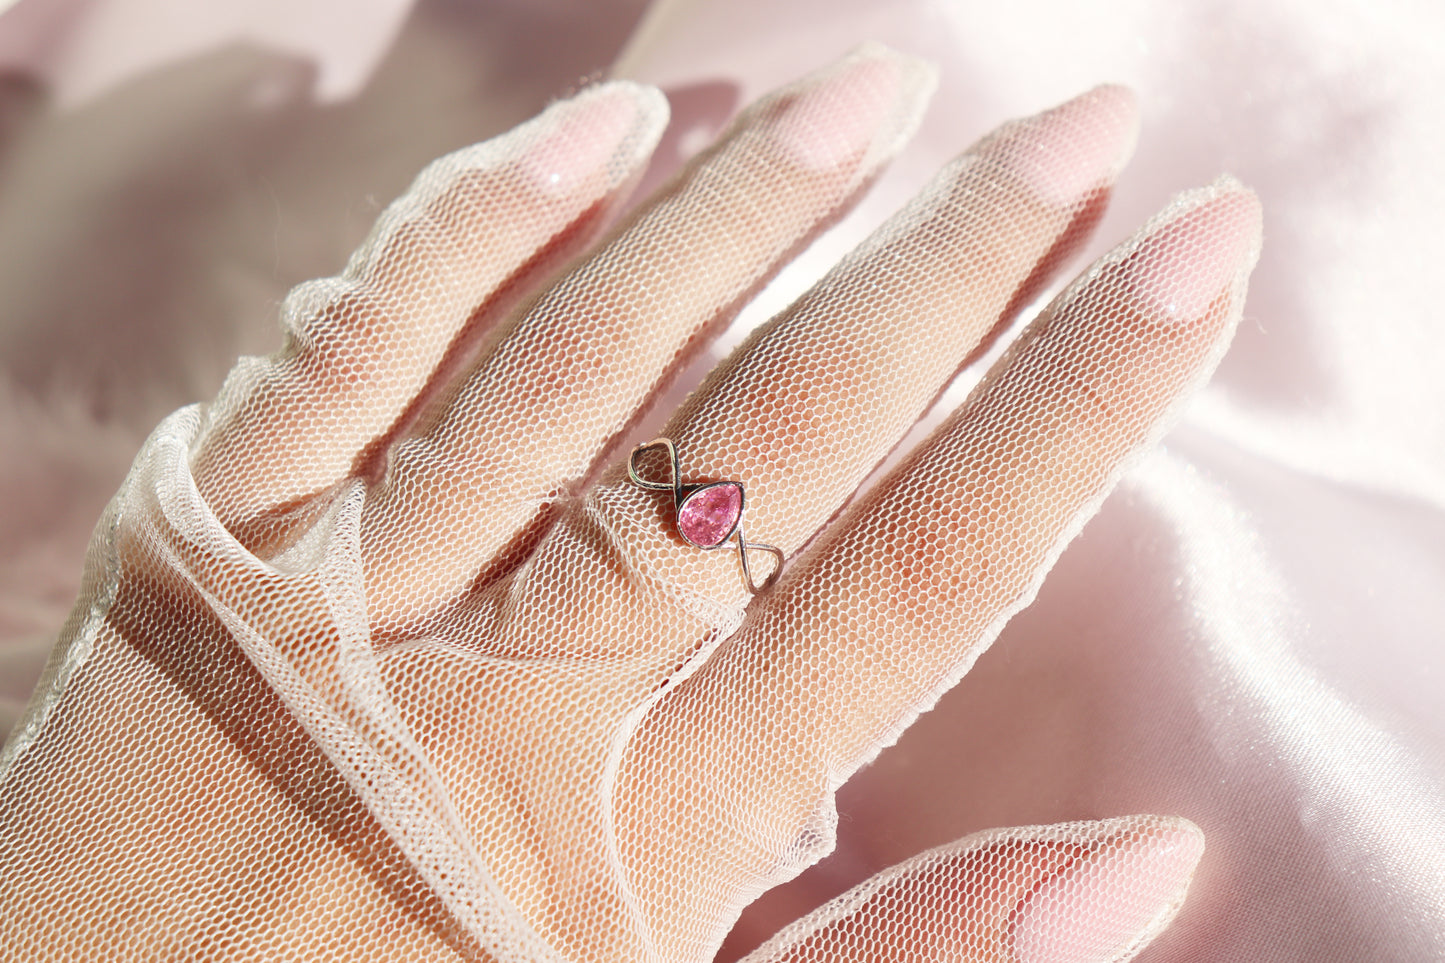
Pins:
x,y
384,655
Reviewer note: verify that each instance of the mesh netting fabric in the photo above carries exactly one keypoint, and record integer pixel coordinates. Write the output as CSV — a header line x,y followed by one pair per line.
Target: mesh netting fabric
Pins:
x,y
1013,881
362,621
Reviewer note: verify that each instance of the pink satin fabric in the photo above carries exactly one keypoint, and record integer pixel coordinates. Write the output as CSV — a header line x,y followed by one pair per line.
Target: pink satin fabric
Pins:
x,y
1249,633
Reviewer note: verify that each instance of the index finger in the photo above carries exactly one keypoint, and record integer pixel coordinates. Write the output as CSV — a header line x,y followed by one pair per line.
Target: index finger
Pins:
x,y
361,347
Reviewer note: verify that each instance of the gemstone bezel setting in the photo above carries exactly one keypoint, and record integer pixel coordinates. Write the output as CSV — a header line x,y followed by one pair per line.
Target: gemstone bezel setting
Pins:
x,y
708,514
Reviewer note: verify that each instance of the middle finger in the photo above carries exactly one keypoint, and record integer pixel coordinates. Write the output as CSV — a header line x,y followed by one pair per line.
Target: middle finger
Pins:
x,y
571,372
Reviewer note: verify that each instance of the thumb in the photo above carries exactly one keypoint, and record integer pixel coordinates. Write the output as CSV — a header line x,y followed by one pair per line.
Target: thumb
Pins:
x,y
1083,892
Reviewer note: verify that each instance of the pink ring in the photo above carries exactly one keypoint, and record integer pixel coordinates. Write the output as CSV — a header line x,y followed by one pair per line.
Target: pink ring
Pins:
x,y
708,514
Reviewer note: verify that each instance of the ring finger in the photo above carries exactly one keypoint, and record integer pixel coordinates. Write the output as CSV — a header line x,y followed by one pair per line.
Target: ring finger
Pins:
x,y
806,407
894,603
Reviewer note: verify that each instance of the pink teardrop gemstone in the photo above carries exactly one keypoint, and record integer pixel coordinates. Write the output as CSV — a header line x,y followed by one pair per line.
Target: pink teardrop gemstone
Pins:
x,y
708,516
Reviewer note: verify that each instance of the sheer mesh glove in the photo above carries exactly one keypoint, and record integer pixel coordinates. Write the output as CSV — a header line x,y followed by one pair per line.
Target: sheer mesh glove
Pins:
x,y
383,655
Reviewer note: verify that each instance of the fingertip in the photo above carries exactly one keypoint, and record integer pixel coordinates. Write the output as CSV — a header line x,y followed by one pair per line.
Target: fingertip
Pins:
x,y
864,106
1067,153
1202,247
652,113
1115,109
609,127
1079,892
1110,903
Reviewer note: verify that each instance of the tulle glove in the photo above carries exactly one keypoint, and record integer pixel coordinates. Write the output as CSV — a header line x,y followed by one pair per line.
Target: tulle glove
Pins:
x,y
399,650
